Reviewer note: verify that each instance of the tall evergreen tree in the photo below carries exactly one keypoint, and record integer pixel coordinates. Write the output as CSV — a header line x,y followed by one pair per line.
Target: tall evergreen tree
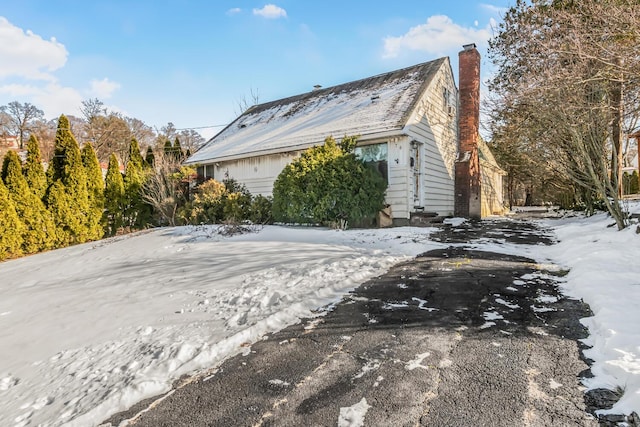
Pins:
x,y
177,150
56,170
11,228
39,228
66,221
134,152
33,170
66,168
95,189
149,158
168,148
137,213
113,197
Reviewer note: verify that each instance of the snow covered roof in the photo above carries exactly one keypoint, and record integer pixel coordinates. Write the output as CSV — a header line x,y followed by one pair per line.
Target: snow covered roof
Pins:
x,y
364,107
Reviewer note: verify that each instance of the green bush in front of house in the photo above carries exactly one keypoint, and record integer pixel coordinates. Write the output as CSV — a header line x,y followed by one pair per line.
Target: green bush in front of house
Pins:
x,y
236,201
261,210
215,202
328,185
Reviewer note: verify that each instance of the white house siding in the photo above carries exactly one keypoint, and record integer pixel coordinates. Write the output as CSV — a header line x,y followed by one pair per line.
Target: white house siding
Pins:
x,y
491,189
257,173
434,125
382,109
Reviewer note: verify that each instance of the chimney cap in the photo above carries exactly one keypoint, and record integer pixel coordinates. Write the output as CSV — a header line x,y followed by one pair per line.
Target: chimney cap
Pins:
x,y
469,46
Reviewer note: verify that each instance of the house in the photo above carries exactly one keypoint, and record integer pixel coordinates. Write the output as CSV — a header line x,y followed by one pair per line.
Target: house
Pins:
x,y
10,142
407,122
491,182
634,164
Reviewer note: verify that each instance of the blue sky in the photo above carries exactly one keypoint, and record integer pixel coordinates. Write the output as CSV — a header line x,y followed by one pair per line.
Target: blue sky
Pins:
x,y
192,62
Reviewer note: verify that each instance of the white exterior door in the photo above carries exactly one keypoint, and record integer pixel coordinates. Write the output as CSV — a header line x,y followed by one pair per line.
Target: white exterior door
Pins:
x,y
416,171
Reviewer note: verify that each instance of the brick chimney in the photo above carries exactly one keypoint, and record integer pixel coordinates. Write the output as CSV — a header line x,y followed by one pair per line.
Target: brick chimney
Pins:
x,y
467,181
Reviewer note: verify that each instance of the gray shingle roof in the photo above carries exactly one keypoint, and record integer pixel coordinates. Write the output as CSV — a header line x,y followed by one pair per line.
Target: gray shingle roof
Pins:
x,y
368,106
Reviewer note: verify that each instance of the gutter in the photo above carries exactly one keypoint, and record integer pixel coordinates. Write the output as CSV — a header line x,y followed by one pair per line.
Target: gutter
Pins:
x,y
292,148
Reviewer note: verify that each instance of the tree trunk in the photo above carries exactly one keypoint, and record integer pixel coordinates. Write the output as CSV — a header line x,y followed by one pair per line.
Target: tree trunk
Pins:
x,y
616,137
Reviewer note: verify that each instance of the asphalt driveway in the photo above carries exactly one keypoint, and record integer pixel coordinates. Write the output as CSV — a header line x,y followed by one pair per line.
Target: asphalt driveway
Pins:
x,y
454,337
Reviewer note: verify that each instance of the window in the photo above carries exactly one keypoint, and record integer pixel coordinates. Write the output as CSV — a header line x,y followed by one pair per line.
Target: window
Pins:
x,y
375,156
449,101
447,98
200,174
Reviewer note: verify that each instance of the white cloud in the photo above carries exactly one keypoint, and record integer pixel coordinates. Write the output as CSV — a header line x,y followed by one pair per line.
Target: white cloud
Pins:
x,y
15,90
55,100
27,73
234,11
271,11
52,98
103,89
27,55
437,36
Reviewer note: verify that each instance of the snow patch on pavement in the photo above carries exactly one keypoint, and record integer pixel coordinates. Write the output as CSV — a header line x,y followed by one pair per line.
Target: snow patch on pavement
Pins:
x,y
417,362
353,416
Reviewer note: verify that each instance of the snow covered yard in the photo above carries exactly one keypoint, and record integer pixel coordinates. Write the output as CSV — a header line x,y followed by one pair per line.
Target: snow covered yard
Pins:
x,y
605,273
89,330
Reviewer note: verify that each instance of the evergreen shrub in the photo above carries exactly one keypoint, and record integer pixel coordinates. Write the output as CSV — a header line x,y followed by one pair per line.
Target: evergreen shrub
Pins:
x,y
328,185
215,202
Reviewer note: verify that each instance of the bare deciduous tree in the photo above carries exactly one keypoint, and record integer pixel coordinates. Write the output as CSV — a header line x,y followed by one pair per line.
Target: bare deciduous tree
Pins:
x,y
108,131
245,103
45,132
21,119
167,186
567,86
190,140
142,132
111,132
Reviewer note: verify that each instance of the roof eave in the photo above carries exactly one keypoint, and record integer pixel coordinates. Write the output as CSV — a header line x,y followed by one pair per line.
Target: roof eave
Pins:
x,y
299,147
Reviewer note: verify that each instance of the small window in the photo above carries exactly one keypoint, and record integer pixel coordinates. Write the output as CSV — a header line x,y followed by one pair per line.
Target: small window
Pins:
x,y
375,156
200,174
447,98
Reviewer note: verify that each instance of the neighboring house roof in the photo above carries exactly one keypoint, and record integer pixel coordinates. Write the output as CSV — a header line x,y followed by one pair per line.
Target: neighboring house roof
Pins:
x,y
9,141
487,159
364,107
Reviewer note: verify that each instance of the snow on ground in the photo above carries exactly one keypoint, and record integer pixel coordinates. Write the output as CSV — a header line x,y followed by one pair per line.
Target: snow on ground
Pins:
x,y
604,266
605,273
89,330
353,416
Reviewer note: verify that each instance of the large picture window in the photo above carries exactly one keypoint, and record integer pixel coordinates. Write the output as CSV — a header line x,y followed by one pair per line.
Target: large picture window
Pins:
x,y
375,156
